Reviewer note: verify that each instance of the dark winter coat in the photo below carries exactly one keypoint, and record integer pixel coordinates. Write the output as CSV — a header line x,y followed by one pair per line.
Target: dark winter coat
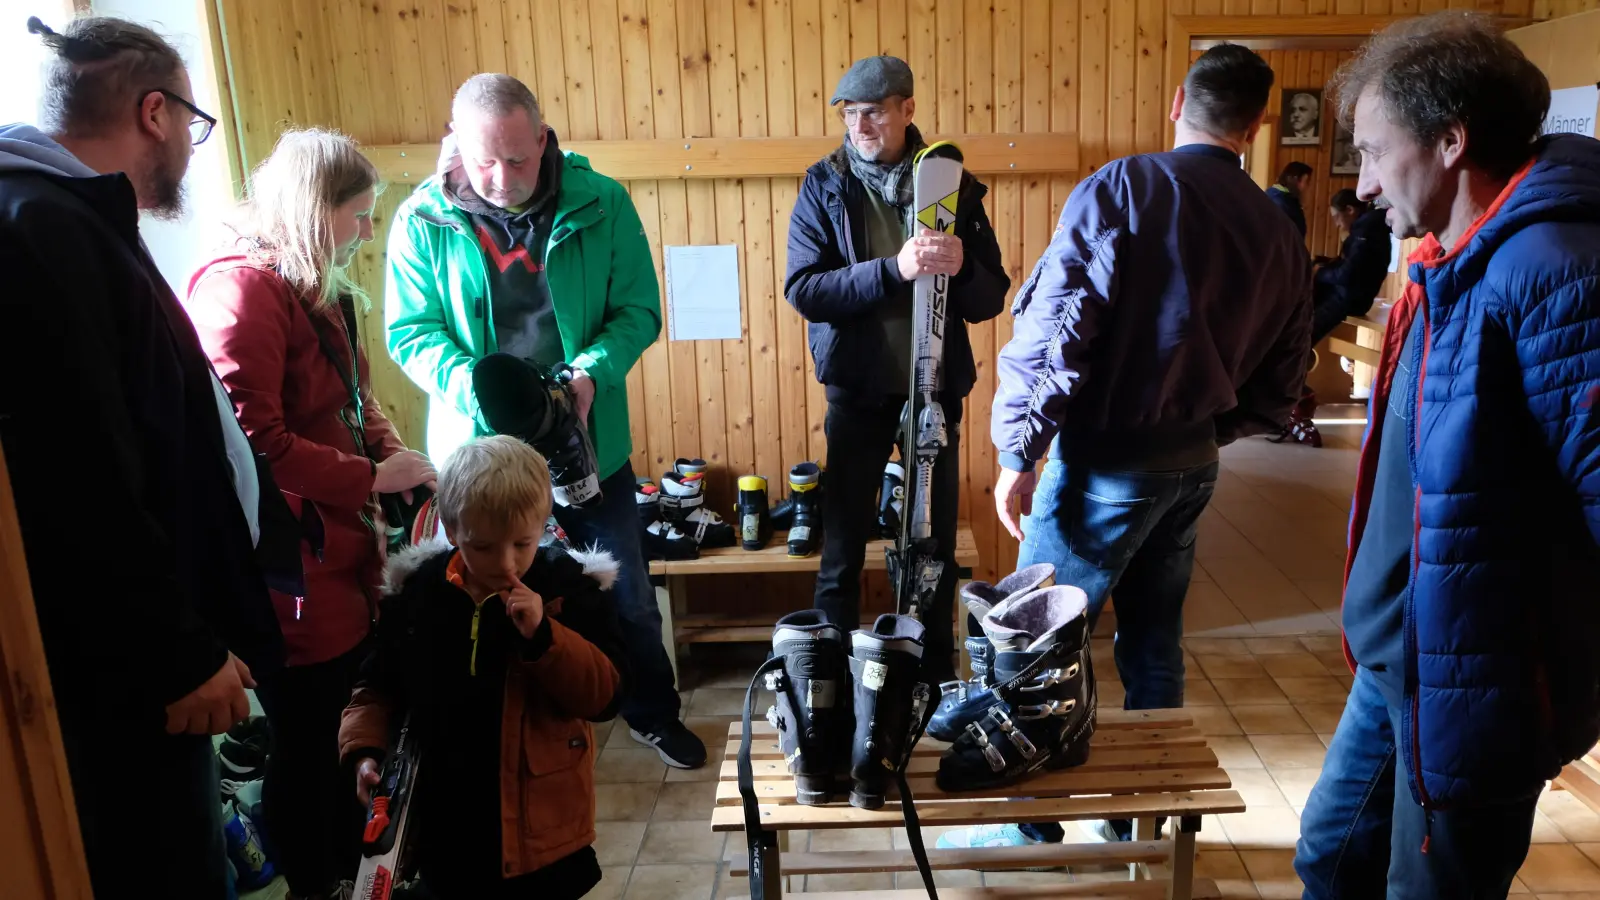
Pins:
x,y
140,556
1352,281
1173,302
837,287
433,642
1290,204
1501,677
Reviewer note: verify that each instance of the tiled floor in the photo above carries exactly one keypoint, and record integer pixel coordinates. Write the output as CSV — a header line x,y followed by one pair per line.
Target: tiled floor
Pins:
x,y
1265,679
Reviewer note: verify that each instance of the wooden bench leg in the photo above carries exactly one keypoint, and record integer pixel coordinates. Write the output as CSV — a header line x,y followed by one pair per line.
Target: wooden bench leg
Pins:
x,y
670,601
1143,830
1181,886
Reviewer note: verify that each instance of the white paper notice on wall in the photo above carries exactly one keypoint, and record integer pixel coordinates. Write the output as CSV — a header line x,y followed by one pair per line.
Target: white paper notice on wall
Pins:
x,y
1572,111
703,293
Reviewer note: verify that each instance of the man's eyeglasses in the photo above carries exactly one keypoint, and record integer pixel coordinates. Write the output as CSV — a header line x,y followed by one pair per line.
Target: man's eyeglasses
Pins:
x,y
202,123
877,115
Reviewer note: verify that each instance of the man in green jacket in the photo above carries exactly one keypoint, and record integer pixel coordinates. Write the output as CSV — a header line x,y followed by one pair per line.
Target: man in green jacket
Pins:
x,y
516,247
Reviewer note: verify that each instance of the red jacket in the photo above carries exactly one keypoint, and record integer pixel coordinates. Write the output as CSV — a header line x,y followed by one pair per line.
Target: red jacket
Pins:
x,y
292,390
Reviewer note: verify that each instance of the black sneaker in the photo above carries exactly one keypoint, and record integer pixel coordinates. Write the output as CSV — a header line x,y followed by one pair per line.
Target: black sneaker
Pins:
x,y
242,752
674,743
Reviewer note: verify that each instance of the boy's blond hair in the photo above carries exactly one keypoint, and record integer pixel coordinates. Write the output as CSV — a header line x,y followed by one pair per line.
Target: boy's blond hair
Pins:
x,y
493,484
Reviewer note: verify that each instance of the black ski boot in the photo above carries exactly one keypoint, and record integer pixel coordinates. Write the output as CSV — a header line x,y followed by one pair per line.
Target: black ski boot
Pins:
x,y
812,712
962,702
891,704
755,524
805,530
1044,710
683,503
660,539
891,500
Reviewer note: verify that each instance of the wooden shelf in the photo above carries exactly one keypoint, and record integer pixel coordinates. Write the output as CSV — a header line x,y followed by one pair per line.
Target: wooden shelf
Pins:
x,y
775,558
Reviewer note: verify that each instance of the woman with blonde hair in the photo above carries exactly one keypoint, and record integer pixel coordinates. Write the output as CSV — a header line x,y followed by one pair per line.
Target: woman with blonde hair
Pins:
x,y
276,312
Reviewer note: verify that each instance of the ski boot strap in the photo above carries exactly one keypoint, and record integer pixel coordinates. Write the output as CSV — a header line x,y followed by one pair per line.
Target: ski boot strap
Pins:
x,y
682,501
766,882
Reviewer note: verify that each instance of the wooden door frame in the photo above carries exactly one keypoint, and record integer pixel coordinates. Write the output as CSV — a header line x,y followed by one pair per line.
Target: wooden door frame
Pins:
x,y
38,762
1181,30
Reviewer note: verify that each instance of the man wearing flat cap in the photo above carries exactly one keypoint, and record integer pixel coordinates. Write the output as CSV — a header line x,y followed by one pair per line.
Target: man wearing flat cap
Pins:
x,y
853,257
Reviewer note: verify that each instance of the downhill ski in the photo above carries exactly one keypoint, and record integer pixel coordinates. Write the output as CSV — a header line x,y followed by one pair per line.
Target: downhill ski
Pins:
x,y
913,563
383,842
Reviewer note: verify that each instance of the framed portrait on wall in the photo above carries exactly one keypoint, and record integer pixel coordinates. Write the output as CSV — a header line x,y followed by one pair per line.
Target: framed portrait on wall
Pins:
x,y
1302,118
1346,158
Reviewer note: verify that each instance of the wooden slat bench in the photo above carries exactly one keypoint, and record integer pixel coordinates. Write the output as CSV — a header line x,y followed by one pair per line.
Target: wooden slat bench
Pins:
x,y
1144,764
681,627
1357,352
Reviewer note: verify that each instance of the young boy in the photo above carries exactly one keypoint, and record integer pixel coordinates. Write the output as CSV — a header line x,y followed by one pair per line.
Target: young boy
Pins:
x,y
503,653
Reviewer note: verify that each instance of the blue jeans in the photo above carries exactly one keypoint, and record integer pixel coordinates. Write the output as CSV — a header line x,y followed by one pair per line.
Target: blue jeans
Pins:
x,y
1132,533
614,527
1361,834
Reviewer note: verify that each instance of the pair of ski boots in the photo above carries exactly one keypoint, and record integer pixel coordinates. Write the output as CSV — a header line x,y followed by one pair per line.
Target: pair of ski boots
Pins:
x,y
1031,703
847,716
674,517
855,707
801,514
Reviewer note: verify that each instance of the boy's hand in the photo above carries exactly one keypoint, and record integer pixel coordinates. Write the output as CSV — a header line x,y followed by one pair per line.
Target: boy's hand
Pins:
x,y
525,608
368,774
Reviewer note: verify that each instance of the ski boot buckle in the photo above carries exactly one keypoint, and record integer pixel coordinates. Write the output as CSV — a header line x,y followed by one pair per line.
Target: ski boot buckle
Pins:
x,y
1046,709
1052,677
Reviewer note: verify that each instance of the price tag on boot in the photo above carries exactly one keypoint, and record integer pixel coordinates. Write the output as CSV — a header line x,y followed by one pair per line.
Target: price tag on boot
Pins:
x,y
874,674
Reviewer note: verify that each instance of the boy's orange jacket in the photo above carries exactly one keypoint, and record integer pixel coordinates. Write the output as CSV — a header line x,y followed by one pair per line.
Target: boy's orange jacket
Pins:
x,y
568,675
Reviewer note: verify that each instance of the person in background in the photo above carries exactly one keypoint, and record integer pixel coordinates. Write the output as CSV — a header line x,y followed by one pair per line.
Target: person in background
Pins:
x,y
1287,191
516,247
500,653
1170,315
1469,603
852,261
1347,284
276,312
150,530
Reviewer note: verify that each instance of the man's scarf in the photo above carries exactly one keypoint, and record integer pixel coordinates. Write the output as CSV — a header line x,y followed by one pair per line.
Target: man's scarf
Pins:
x,y
892,181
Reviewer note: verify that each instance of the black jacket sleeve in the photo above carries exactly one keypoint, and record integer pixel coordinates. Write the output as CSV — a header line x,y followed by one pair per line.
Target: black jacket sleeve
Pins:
x,y
1355,278
79,461
820,284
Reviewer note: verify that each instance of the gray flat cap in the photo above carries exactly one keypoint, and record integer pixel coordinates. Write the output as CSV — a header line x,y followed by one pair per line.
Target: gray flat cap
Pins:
x,y
873,79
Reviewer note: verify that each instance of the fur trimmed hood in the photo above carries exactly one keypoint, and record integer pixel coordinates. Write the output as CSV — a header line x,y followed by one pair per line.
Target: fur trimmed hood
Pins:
x,y
598,565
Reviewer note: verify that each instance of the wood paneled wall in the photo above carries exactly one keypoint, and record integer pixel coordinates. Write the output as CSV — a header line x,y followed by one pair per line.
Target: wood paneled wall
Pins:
x,y
384,71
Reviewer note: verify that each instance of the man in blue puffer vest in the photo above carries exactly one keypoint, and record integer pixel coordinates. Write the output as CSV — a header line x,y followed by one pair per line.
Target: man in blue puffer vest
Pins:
x,y
1470,607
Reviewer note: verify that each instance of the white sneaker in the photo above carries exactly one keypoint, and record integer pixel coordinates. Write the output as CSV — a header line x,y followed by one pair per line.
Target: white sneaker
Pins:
x,y
1008,835
1098,831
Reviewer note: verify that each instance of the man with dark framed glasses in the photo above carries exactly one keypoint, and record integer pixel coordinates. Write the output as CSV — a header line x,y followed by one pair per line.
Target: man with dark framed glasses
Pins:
x,y
202,123
126,459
